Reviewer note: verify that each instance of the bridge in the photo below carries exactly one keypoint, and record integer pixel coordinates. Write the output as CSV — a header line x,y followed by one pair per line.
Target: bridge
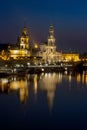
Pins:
x,y
23,67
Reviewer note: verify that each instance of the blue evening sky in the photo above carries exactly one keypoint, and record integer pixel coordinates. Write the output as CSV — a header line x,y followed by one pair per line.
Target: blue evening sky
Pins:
x,y
69,18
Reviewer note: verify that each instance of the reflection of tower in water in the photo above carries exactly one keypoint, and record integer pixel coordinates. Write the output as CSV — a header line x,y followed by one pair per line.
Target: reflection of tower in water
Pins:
x,y
35,84
48,83
15,84
20,85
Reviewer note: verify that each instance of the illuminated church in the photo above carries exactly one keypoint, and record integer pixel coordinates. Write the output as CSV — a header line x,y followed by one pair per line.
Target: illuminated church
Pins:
x,y
48,51
21,49
43,52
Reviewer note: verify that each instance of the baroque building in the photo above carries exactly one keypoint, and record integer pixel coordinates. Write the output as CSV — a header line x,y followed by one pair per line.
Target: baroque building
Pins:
x,y
21,49
24,39
70,57
48,50
39,53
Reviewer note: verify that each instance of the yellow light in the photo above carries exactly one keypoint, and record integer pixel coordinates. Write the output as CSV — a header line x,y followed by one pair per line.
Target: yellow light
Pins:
x,y
36,46
42,69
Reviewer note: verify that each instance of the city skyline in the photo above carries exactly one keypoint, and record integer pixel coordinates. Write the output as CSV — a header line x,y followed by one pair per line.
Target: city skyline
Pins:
x,y
68,18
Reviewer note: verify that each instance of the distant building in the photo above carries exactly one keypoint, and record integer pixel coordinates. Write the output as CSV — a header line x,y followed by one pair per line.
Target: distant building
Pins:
x,y
69,57
48,50
21,49
43,52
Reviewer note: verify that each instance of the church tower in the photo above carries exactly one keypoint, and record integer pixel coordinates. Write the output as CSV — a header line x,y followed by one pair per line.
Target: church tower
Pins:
x,y
51,47
24,39
51,38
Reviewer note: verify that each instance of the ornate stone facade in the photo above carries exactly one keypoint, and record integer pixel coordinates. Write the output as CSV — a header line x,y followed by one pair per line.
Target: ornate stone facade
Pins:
x,y
21,49
48,51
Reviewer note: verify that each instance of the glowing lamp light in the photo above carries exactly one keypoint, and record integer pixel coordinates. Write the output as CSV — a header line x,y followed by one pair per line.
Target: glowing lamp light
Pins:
x,y
42,69
36,46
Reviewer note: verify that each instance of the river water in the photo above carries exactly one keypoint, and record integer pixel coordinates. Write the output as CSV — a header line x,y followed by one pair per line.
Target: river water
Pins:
x,y
44,101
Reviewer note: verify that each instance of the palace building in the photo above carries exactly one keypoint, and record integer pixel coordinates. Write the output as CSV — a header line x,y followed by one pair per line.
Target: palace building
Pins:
x,y
70,57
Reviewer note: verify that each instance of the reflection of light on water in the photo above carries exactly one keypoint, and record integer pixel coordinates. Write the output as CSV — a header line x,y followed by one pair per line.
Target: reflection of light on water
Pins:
x,y
35,84
50,97
60,76
17,84
49,75
65,72
83,78
48,83
46,74
78,78
3,83
3,80
86,79
21,86
70,78
23,94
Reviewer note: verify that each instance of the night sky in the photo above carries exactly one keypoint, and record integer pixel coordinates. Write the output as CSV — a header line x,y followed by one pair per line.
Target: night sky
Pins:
x,y
69,18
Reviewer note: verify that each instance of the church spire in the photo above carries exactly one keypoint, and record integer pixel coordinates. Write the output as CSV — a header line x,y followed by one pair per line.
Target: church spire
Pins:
x,y
51,38
25,32
51,30
24,39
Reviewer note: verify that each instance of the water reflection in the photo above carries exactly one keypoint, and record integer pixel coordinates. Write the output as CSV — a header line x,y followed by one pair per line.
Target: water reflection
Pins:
x,y
46,82
15,84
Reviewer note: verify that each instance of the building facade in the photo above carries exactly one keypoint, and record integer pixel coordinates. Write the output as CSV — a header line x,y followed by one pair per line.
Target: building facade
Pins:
x,y
43,52
48,50
70,57
21,49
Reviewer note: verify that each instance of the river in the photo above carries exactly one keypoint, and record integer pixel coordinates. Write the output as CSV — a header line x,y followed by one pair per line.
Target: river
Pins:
x,y
44,101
